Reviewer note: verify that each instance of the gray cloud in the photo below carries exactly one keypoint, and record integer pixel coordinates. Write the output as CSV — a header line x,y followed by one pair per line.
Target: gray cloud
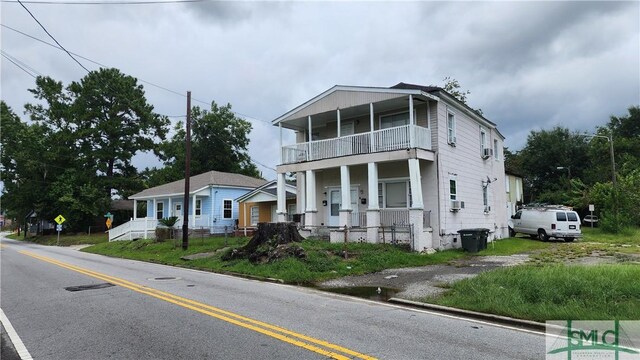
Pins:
x,y
529,65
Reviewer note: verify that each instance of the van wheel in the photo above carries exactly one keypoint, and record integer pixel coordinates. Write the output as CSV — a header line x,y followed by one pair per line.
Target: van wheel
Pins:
x,y
542,235
569,239
512,233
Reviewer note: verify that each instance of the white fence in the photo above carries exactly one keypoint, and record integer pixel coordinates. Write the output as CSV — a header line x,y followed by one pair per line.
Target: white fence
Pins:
x,y
395,138
390,217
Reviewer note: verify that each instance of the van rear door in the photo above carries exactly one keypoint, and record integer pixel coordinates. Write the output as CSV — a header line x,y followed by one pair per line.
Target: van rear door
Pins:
x,y
561,222
573,221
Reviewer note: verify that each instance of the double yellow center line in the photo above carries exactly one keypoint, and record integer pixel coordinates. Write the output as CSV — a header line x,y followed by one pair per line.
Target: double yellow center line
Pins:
x,y
306,342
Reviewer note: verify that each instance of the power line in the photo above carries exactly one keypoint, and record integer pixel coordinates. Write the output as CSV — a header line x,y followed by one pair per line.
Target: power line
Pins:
x,y
16,64
141,80
51,36
11,57
102,2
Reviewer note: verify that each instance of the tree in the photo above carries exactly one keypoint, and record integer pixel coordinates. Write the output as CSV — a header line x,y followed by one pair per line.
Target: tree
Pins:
x,y
106,119
545,151
452,86
219,141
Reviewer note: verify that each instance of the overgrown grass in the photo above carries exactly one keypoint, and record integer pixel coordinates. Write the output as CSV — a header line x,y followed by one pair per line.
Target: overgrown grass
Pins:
x,y
627,236
512,246
324,260
65,240
553,292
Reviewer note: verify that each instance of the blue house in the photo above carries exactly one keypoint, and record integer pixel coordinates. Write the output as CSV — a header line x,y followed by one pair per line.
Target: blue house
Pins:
x,y
212,204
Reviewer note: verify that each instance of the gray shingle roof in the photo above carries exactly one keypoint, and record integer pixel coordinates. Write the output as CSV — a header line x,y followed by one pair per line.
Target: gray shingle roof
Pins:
x,y
200,181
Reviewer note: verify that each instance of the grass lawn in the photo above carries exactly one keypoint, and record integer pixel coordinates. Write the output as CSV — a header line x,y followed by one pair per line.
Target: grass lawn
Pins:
x,y
512,246
628,236
552,292
324,260
65,240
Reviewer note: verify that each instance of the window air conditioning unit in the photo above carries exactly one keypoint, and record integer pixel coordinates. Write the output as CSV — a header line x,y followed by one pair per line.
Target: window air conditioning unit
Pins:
x,y
487,153
457,205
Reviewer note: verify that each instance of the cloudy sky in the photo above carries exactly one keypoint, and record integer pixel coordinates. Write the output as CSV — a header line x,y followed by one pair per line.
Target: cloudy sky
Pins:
x,y
528,65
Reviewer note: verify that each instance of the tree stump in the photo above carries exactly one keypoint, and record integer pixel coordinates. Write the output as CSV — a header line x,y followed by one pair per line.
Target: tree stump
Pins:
x,y
271,241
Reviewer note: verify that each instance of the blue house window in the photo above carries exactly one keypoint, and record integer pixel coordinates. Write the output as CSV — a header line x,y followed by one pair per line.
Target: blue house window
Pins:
x,y
227,206
159,210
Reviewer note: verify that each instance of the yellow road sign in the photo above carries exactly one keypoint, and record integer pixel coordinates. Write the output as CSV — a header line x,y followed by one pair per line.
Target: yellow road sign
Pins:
x,y
60,219
109,221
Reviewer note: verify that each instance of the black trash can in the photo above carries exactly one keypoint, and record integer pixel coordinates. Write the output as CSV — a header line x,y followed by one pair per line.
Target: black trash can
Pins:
x,y
474,240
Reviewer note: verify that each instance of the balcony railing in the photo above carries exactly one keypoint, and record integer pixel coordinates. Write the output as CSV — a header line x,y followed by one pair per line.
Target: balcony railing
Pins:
x,y
396,138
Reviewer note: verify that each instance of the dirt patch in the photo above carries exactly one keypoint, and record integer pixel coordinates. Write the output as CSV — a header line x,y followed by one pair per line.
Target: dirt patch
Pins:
x,y
420,282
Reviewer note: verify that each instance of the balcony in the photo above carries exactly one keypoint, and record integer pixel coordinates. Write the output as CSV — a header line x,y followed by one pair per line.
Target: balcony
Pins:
x,y
395,138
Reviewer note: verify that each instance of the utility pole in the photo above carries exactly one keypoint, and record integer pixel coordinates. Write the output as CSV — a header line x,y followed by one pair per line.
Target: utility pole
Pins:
x,y
187,175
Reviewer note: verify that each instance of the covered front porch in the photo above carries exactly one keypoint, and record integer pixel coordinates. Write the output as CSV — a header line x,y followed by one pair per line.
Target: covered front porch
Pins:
x,y
369,202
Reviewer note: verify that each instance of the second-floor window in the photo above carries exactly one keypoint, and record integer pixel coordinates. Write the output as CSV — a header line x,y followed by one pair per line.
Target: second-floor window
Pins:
x,y
389,121
495,149
483,140
451,128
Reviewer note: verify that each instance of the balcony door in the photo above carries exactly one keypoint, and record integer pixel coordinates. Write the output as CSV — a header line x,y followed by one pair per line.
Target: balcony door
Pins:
x,y
335,200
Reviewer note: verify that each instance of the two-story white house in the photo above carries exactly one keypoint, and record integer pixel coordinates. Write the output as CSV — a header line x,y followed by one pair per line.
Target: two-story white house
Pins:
x,y
379,164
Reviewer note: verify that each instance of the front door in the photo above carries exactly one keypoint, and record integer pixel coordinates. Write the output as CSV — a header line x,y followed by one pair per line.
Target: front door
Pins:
x,y
335,200
177,209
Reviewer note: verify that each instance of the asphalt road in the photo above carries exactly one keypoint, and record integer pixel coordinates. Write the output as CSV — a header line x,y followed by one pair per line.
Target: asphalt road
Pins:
x,y
161,312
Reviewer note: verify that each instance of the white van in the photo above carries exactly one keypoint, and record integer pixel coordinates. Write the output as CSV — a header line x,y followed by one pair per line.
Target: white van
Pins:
x,y
546,222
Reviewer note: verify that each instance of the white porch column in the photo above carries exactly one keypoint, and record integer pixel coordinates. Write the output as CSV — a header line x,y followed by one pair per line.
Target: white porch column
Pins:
x,y
412,122
345,191
301,201
311,211
155,211
338,117
281,211
193,212
373,209
170,208
415,181
310,133
421,240
135,209
371,137
280,147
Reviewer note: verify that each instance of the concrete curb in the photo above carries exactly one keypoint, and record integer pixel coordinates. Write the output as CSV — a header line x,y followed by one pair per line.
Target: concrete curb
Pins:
x,y
528,324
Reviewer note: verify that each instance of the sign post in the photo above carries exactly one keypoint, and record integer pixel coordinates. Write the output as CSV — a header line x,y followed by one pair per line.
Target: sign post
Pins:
x,y
59,219
591,208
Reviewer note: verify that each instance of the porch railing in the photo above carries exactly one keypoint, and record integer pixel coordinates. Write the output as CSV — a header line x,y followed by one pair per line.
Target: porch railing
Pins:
x,y
395,138
390,217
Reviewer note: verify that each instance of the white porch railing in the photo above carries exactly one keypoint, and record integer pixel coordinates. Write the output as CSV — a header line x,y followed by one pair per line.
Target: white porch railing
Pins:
x,y
395,138
390,217
133,229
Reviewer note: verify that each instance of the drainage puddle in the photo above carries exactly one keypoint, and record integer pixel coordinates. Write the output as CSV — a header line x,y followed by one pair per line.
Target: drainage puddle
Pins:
x,y
89,287
365,292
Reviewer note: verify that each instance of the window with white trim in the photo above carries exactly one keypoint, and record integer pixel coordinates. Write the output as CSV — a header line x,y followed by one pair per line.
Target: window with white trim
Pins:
x,y
394,194
485,197
395,120
198,207
227,208
453,188
451,128
495,149
159,210
483,140
255,215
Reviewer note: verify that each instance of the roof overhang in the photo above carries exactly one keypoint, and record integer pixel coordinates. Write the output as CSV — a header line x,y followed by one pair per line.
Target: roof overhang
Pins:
x,y
260,190
158,196
360,96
